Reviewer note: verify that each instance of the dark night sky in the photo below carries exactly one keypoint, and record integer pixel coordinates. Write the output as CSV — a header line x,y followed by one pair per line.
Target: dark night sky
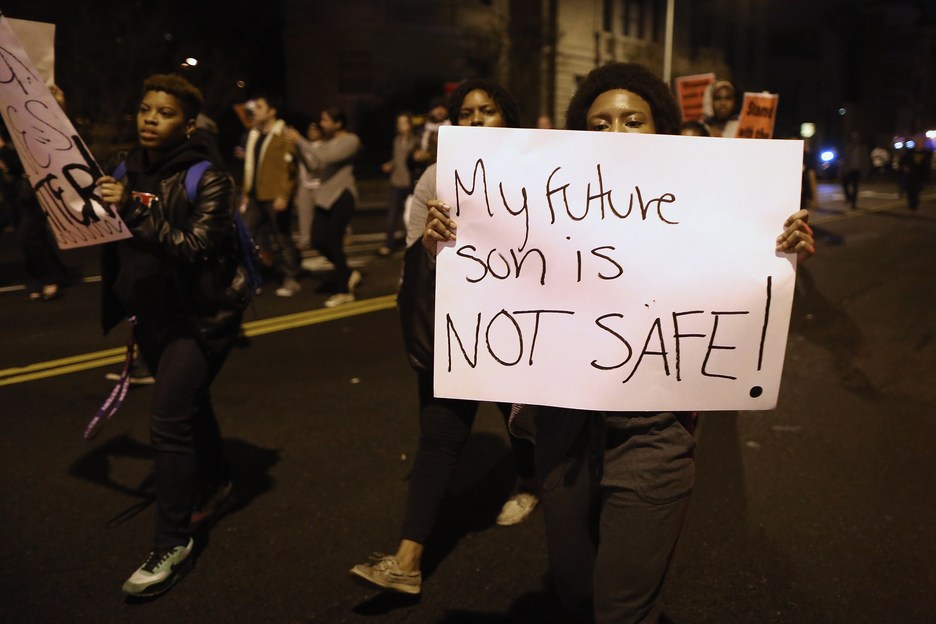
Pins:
x,y
106,47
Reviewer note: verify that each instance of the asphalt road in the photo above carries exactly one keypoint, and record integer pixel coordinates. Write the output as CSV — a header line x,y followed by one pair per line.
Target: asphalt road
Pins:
x,y
821,511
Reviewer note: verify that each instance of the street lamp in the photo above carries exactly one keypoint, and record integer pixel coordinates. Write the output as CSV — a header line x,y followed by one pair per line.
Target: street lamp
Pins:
x,y
668,45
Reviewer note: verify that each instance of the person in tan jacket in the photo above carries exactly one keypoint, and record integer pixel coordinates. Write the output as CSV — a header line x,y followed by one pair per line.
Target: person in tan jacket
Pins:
x,y
269,178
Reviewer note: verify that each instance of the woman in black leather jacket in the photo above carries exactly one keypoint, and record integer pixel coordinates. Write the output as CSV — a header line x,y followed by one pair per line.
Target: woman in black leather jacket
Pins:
x,y
179,280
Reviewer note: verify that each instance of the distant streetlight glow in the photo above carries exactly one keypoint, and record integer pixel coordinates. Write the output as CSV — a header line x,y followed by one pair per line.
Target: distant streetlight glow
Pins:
x,y
191,61
931,134
898,145
842,111
807,130
911,144
827,156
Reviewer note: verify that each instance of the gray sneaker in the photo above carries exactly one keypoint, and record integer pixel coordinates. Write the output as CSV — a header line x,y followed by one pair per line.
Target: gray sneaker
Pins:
x,y
384,572
160,571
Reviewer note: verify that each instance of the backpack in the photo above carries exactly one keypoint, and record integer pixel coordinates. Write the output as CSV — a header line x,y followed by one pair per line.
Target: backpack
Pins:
x,y
247,248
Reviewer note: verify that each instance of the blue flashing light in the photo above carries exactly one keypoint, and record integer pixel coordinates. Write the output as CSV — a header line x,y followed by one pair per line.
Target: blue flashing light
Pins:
x,y
827,156
911,144
898,145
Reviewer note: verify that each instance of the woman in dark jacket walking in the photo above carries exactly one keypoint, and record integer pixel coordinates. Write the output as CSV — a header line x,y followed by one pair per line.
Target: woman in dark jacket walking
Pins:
x,y
179,280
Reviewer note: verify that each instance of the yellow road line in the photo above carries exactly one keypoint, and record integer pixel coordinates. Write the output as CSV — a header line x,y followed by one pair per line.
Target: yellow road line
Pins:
x,y
97,359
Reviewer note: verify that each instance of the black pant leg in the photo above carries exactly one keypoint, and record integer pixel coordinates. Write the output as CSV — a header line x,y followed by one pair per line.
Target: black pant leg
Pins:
x,y
445,425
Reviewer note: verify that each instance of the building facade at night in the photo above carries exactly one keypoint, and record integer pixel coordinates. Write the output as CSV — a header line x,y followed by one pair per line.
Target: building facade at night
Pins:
x,y
871,60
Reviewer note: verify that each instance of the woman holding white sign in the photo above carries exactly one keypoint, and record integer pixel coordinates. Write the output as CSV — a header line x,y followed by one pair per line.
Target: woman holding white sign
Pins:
x,y
615,486
445,424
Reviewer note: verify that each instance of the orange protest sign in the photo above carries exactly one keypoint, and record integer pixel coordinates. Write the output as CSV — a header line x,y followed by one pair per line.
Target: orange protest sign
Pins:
x,y
758,114
690,93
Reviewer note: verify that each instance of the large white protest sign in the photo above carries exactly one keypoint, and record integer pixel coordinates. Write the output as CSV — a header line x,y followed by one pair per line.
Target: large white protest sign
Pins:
x,y
614,271
59,165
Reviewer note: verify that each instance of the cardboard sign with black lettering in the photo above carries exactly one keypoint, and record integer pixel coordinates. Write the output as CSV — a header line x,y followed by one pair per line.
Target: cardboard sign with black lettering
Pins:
x,y
614,271
59,165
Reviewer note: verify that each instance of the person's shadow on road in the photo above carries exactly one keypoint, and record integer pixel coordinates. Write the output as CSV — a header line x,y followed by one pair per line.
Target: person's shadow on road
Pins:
x,y
250,471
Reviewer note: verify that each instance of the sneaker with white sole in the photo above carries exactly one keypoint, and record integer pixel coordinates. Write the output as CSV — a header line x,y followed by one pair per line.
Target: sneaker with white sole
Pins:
x,y
339,299
160,571
384,572
517,509
289,288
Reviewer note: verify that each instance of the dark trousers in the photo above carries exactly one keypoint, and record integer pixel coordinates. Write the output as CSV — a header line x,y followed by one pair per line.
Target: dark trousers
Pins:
x,y
40,254
914,188
850,180
615,491
444,428
328,230
273,232
184,431
396,202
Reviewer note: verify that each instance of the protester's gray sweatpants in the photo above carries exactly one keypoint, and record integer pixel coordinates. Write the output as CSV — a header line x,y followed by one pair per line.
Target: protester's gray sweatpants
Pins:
x,y
615,490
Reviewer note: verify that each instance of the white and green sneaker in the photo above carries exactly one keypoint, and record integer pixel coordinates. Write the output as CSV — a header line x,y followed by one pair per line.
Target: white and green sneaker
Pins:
x,y
160,571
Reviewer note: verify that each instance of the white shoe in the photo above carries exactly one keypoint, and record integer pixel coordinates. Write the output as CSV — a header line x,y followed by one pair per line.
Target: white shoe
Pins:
x,y
517,509
289,288
339,299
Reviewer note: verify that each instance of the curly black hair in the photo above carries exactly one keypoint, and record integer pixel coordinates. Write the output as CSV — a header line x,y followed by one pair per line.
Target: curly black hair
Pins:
x,y
175,85
632,77
505,102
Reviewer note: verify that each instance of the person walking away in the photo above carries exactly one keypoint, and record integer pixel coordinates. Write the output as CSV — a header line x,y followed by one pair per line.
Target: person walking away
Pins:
x,y
180,281
809,188
915,165
855,166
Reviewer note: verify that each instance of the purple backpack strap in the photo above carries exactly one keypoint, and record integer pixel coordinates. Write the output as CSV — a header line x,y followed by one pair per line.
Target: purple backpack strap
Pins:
x,y
117,395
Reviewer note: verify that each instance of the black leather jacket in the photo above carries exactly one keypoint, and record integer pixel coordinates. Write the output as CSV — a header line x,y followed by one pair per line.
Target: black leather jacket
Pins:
x,y
197,245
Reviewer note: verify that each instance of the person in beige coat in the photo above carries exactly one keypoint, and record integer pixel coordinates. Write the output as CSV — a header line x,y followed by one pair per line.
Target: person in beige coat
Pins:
x,y
269,178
